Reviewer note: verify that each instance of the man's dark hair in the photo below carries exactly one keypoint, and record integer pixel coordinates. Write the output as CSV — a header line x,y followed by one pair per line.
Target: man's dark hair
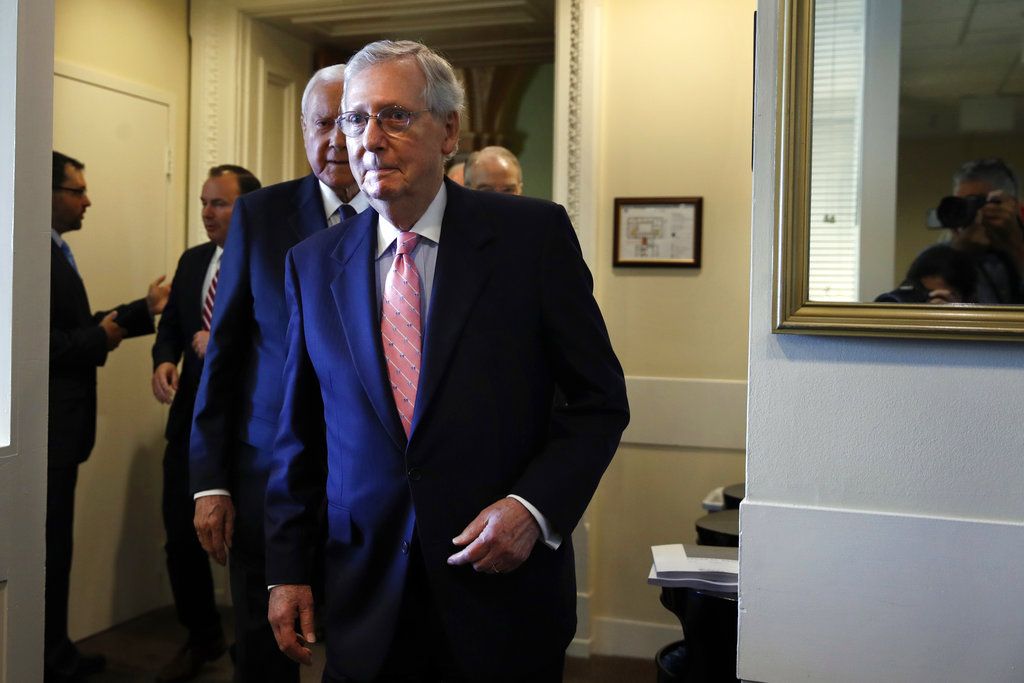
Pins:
x,y
60,161
952,265
247,182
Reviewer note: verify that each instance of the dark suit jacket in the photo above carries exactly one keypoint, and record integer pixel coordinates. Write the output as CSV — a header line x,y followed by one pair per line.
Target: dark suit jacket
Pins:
x,y
78,346
511,314
240,390
181,319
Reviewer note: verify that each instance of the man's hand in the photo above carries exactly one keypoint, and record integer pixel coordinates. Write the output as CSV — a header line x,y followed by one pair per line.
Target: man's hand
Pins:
x,y
199,341
114,332
165,382
289,603
215,524
499,539
156,295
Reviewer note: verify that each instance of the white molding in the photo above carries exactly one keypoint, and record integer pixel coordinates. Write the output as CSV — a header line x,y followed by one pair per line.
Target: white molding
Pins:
x,y
930,598
576,111
687,412
216,131
627,638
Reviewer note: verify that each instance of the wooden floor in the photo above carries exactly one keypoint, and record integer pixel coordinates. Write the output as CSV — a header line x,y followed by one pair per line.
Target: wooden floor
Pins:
x,y
136,650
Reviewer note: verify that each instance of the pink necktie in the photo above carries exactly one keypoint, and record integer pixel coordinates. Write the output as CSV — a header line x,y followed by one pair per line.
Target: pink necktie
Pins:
x,y
400,327
211,294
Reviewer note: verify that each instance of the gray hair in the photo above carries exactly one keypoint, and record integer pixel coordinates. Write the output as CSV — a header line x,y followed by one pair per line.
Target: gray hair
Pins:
x,y
334,73
443,93
491,151
992,170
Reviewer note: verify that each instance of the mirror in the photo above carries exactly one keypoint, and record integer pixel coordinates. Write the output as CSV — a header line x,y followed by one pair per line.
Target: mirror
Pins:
x,y
880,103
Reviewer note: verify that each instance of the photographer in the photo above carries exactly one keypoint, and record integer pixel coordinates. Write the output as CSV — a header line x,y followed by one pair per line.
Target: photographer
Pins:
x,y
984,219
939,275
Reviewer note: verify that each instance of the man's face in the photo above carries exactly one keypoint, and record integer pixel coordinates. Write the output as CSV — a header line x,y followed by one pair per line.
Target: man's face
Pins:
x,y
325,144
403,170
218,198
494,174
995,221
69,201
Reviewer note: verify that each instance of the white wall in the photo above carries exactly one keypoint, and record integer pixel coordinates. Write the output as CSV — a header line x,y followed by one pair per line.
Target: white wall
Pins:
x,y
881,533
26,64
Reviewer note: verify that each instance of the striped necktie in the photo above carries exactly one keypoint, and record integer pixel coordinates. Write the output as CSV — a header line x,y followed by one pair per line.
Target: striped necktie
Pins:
x,y
211,295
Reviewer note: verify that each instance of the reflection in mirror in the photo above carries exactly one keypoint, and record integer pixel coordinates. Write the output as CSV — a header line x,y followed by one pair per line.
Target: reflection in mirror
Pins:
x,y
905,96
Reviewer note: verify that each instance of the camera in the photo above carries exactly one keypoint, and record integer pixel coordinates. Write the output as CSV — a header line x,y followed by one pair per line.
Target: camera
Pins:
x,y
959,212
910,291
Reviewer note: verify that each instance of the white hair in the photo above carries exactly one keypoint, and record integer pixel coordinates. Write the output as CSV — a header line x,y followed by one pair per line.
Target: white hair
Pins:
x,y
334,73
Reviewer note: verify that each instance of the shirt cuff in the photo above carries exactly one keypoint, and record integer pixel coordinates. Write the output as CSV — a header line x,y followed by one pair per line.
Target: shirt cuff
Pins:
x,y
552,539
212,492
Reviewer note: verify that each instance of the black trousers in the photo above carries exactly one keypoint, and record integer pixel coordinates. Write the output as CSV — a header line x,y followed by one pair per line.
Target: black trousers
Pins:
x,y
188,566
60,517
420,651
257,657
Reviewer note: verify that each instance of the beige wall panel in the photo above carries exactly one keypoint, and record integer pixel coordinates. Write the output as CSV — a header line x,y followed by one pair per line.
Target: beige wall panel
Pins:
x,y
674,120
677,122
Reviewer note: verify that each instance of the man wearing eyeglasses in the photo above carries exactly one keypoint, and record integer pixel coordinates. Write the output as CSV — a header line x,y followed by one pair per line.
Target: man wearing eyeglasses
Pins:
x,y
494,169
79,343
425,343
240,390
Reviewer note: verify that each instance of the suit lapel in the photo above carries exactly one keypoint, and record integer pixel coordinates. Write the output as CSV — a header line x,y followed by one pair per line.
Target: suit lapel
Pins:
x,y
464,264
354,286
308,217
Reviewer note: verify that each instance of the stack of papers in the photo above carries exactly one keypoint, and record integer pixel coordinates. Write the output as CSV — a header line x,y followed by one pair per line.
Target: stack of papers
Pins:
x,y
695,566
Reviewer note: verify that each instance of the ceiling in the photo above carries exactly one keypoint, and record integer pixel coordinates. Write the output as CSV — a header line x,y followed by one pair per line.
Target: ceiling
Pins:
x,y
957,50
468,32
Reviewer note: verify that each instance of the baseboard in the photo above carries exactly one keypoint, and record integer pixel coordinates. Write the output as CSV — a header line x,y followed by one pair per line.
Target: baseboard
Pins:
x,y
626,638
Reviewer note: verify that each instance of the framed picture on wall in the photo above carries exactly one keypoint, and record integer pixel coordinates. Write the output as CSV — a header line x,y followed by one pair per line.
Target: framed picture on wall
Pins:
x,y
657,231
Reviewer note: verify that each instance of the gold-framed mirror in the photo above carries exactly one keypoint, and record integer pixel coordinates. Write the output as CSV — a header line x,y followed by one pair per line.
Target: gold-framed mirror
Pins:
x,y
894,108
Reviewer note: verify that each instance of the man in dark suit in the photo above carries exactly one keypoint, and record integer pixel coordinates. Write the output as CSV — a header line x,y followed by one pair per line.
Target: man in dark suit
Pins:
x,y
184,330
79,343
452,481
240,390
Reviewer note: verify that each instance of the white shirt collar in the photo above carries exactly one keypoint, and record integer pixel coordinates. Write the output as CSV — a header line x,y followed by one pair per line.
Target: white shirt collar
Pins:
x,y
429,224
332,202
57,239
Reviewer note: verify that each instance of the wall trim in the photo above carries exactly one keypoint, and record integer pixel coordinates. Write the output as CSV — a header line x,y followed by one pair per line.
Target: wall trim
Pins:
x,y
628,638
826,585
687,412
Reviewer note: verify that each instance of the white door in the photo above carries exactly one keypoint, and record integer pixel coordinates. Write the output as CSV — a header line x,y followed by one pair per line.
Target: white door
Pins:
x,y
123,138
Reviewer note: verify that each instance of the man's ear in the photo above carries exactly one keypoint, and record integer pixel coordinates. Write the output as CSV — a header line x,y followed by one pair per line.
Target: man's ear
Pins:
x,y
451,133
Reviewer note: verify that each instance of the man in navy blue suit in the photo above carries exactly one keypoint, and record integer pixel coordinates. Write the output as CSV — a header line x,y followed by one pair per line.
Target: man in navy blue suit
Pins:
x,y
240,391
426,340
183,335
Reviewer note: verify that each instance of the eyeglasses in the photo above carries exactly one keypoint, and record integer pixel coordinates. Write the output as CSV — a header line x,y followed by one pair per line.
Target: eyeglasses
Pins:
x,y
77,191
392,120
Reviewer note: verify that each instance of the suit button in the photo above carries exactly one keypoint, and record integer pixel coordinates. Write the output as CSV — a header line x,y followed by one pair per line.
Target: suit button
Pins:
x,y
415,474
405,547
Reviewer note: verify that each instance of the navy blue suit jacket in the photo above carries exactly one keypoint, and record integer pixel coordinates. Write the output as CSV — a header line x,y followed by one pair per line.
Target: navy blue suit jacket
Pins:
x,y
181,319
240,390
511,315
78,345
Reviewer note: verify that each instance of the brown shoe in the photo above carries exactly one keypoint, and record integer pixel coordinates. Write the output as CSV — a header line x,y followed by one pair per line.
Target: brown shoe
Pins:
x,y
189,660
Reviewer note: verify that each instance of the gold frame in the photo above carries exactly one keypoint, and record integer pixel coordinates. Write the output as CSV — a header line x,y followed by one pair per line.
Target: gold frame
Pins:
x,y
793,312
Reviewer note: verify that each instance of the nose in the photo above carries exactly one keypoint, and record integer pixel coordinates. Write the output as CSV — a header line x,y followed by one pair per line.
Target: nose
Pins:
x,y
337,137
207,211
373,136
